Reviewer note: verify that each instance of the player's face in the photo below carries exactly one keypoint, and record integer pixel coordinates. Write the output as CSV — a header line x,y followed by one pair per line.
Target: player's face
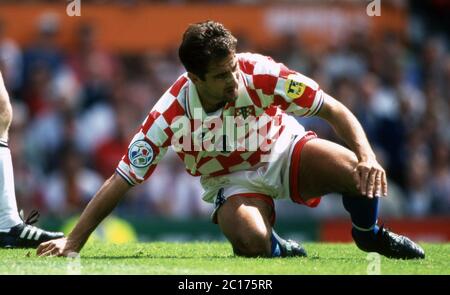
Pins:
x,y
221,81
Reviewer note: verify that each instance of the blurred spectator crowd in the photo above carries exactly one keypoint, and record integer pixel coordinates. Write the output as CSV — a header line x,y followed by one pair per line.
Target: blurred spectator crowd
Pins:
x,y
76,111
137,2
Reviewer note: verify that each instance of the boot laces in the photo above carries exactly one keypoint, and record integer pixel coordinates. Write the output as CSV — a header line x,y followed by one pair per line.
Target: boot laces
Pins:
x,y
32,218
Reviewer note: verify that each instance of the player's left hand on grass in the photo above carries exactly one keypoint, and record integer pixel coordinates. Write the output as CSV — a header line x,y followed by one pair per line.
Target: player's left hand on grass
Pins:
x,y
58,247
371,178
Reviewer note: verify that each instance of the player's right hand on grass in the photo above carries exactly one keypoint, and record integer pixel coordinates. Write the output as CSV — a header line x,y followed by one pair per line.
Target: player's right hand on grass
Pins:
x,y
58,247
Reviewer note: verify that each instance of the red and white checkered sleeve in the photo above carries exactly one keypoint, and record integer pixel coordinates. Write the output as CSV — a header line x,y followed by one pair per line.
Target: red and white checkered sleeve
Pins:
x,y
297,94
150,143
275,84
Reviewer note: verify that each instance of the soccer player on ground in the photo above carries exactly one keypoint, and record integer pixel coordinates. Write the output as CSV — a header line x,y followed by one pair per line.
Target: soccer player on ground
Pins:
x,y
263,154
14,232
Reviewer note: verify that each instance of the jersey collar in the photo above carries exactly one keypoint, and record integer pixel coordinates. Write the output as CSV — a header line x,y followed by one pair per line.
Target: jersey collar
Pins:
x,y
193,100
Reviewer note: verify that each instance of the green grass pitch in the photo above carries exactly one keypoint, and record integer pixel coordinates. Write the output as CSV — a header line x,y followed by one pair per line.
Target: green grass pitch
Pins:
x,y
200,258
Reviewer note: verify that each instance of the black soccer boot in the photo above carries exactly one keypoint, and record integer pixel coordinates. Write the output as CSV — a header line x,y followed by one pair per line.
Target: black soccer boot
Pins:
x,y
289,248
389,244
25,235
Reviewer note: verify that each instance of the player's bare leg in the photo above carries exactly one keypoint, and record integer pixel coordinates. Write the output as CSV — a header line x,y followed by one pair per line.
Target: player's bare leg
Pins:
x,y
245,223
14,232
9,216
326,167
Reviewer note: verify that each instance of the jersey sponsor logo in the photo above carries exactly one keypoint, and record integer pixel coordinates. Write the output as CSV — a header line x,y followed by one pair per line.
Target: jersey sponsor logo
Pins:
x,y
140,154
294,89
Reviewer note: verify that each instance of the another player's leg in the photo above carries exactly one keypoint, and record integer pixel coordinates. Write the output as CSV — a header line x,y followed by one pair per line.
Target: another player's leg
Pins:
x,y
14,232
246,222
328,167
9,216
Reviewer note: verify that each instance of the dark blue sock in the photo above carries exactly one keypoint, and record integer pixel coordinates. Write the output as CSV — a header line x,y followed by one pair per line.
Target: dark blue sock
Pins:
x,y
276,251
363,212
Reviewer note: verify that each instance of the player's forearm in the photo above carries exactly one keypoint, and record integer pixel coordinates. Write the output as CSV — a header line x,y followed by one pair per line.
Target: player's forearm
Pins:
x,y
351,131
98,208
348,128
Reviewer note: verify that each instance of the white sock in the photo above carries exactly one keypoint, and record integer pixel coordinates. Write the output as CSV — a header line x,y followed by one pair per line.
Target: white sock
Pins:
x,y
9,216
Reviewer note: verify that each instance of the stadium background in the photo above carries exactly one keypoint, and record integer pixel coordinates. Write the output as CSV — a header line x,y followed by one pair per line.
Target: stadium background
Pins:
x,y
80,86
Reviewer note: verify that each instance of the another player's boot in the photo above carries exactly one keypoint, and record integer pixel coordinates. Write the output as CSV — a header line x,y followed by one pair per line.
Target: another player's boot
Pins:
x,y
388,244
289,248
25,235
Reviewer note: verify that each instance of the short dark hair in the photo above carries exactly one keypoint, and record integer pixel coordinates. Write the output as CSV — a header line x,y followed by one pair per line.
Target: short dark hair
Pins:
x,y
204,42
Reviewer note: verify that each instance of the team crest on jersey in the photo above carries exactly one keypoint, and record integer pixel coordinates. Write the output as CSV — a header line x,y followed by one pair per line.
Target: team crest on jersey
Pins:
x,y
245,111
294,89
140,154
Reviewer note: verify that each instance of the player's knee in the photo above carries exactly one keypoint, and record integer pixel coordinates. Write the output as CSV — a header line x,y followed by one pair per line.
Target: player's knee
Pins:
x,y
252,245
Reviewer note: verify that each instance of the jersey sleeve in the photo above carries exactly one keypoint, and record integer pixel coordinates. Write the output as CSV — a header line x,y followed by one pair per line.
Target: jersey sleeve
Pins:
x,y
276,84
151,142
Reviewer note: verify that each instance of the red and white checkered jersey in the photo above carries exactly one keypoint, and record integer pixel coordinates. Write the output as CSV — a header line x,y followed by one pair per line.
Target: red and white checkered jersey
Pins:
x,y
267,91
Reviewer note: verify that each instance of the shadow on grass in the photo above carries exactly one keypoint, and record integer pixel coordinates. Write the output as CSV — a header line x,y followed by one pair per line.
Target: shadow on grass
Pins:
x,y
150,256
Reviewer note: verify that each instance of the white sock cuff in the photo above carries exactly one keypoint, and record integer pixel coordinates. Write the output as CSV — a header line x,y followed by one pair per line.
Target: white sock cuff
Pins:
x,y
365,229
9,221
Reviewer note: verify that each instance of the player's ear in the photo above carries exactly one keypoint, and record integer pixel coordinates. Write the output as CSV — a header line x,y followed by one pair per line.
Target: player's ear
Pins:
x,y
194,78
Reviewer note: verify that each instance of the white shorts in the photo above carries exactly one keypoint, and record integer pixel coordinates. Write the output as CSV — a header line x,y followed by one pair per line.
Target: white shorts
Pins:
x,y
276,179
